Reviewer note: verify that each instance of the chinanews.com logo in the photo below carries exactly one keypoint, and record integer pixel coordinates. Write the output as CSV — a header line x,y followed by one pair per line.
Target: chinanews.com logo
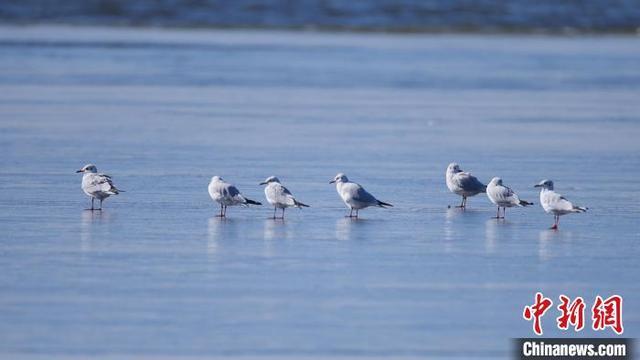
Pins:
x,y
605,315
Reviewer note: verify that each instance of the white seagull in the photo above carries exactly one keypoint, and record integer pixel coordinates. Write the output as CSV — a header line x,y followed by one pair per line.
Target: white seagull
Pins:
x,y
463,183
279,196
97,186
354,195
227,194
556,204
503,197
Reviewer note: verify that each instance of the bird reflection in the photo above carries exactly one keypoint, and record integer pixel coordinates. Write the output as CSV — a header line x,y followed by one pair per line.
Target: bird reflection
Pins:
x,y
449,228
87,220
491,235
218,229
448,223
545,236
343,228
345,225
452,213
549,240
277,229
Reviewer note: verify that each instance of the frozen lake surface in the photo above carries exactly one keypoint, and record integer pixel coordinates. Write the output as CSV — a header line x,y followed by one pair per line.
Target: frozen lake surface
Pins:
x,y
156,274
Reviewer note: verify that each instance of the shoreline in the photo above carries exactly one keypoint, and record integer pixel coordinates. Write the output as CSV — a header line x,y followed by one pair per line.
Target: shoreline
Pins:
x,y
480,31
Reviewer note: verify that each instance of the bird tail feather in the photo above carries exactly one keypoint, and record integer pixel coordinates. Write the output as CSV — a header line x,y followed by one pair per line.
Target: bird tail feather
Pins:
x,y
299,204
252,202
383,204
525,203
580,209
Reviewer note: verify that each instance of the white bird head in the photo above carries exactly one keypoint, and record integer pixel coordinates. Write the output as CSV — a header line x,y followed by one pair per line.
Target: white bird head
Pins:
x,y
216,179
453,168
339,178
89,168
495,181
270,179
545,184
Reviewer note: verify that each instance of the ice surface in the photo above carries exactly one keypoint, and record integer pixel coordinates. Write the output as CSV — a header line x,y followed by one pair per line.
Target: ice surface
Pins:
x,y
162,111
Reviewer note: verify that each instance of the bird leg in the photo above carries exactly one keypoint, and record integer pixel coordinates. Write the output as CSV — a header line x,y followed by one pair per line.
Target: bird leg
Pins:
x,y
274,212
100,205
357,213
498,213
350,213
223,211
282,213
463,203
92,203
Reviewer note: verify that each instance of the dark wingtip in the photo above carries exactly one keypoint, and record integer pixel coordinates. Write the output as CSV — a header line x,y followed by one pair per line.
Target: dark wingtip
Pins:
x,y
253,202
383,204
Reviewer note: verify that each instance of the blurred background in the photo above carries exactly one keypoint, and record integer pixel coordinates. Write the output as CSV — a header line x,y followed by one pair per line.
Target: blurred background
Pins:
x,y
162,95
373,15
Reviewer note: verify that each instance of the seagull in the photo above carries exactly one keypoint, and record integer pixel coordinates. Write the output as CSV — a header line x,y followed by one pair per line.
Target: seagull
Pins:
x,y
97,186
556,204
463,183
503,196
354,195
227,194
279,196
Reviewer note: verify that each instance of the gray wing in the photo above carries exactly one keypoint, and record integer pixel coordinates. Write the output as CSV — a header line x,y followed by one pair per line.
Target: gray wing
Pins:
x,y
286,191
285,196
364,196
102,183
505,194
559,202
231,191
468,182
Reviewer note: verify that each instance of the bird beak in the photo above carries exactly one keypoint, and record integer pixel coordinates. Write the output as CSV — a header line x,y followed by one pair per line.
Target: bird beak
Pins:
x,y
537,185
79,171
263,183
332,181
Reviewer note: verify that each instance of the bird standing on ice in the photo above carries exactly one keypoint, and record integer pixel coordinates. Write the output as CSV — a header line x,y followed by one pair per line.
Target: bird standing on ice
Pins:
x,y
279,196
97,186
463,183
354,195
556,204
503,197
227,194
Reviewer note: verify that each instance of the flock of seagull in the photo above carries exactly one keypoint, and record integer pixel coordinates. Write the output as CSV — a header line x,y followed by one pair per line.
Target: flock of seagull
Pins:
x,y
464,184
100,186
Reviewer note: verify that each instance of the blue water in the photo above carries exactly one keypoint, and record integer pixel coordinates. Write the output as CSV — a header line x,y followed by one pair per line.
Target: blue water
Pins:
x,y
157,274
377,15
